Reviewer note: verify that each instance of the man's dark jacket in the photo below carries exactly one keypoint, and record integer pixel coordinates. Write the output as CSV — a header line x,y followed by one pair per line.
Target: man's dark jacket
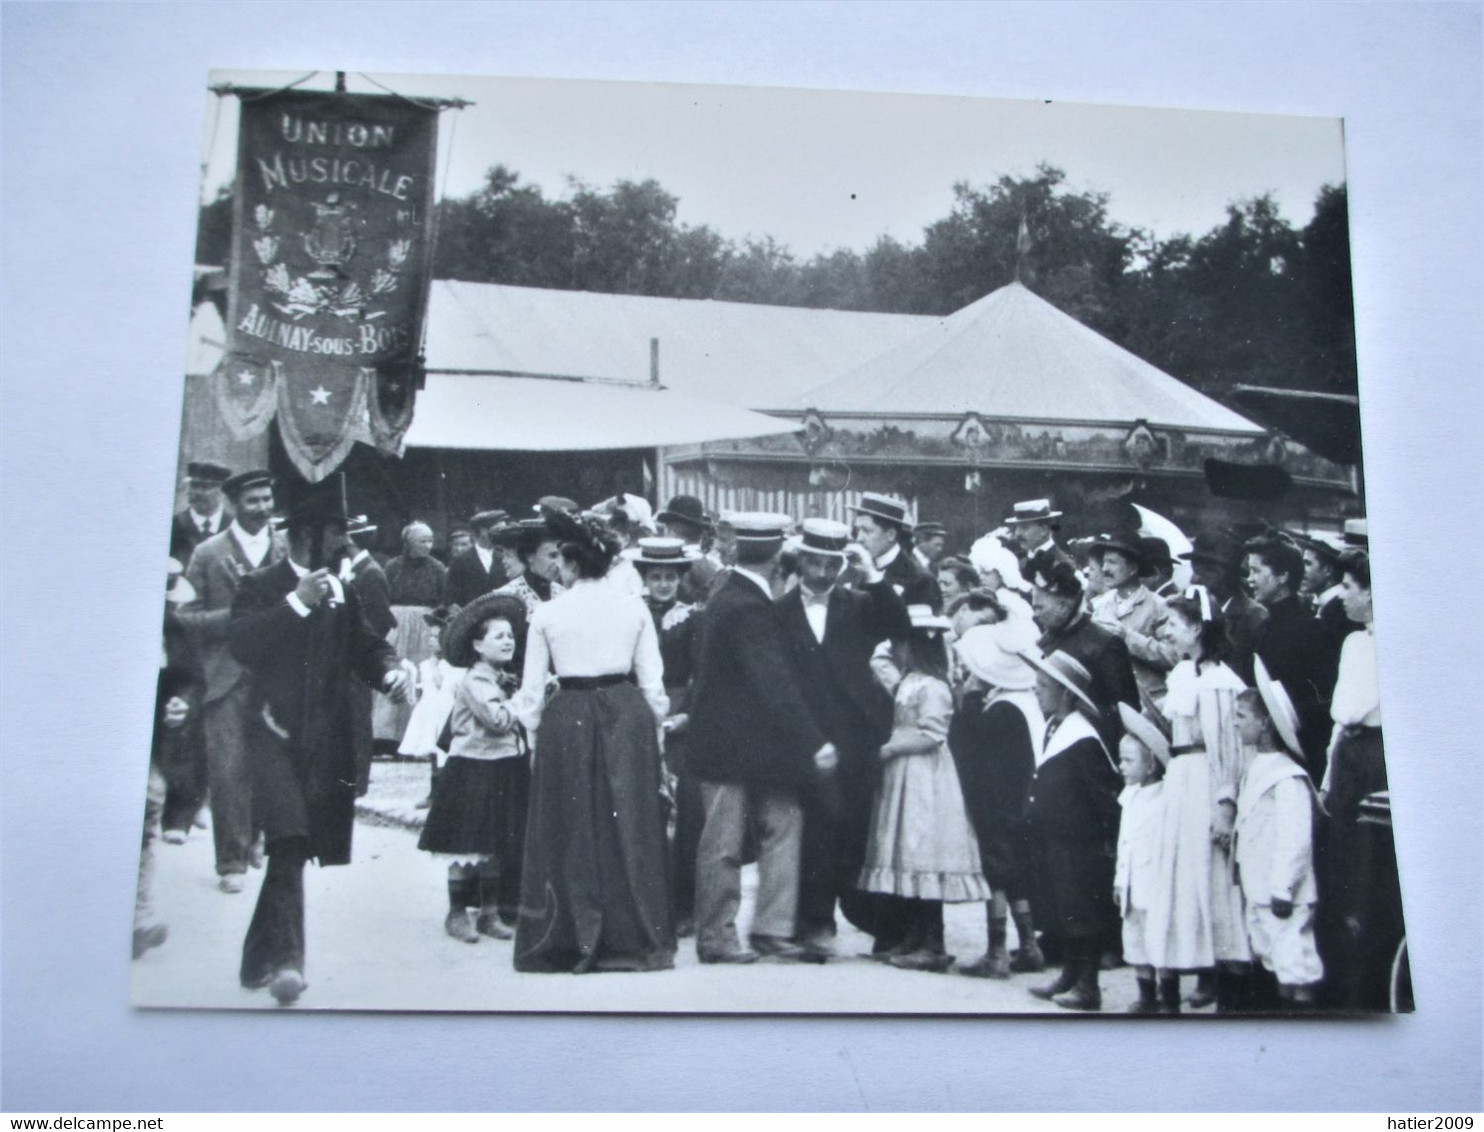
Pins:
x,y
1106,659
468,579
1304,657
749,720
302,670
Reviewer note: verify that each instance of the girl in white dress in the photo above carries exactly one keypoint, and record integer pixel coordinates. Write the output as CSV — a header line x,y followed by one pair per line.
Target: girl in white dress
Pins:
x,y
921,847
1195,922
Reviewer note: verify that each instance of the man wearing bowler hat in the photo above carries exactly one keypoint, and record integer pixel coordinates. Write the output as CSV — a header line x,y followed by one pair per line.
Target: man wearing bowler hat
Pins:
x,y
882,527
298,628
478,570
685,518
215,571
756,749
832,630
205,514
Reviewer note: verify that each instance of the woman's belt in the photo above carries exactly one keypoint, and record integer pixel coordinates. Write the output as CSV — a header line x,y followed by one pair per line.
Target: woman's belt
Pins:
x,y
1188,749
588,683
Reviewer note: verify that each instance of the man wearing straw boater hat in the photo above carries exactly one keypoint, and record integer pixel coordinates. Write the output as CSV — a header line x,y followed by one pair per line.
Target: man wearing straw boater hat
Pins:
x,y
297,627
1073,819
478,570
883,528
1034,524
756,750
832,630
215,571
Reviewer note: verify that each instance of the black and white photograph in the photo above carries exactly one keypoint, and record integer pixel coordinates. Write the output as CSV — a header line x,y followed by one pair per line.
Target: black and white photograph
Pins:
x,y
769,551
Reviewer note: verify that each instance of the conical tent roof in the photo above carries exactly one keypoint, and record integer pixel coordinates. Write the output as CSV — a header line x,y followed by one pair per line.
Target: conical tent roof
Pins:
x,y
1012,354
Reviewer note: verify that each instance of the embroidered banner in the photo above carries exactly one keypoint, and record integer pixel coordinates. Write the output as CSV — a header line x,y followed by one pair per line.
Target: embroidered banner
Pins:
x,y
331,249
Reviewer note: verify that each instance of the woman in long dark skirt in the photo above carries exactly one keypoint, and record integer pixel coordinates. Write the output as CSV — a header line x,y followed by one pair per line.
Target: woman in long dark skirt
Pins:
x,y
477,817
593,893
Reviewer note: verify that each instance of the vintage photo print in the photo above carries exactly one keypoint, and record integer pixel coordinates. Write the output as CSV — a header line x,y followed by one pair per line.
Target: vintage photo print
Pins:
x,y
766,551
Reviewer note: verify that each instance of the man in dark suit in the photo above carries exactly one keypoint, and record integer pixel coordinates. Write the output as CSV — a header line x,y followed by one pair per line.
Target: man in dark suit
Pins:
x,y
685,518
1215,561
205,514
1067,626
832,630
1298,651
882,527
479,569
299,630
215,571
369,580
1034,525
755,749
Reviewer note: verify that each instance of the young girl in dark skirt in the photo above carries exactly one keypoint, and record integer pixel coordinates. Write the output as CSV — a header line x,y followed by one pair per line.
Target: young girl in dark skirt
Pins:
x,y
478,813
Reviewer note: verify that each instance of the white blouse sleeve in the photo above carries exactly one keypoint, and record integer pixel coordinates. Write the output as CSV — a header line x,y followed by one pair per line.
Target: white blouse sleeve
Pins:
x,y
531,697
649,667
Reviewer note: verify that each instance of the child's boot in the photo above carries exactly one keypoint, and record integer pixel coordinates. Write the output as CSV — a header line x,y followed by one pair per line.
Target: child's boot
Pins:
x,y
488,922
461,884
1169,994
1147,1002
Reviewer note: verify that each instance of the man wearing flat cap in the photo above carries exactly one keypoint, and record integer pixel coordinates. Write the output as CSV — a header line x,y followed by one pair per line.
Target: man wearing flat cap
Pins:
x,y
931,547
832,630
478,570
883,528
205,515
298,628
756,749
215,571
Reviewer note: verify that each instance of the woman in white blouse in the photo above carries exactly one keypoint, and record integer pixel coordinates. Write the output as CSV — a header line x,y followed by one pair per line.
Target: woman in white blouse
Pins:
x,y
1356,768
593,892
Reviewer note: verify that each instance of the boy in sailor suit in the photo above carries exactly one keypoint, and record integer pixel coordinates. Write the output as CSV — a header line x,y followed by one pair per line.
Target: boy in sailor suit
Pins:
x,y
1275,843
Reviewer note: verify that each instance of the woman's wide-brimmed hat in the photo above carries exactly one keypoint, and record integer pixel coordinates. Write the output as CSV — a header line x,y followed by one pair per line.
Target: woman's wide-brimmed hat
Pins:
x,y
662,552
1032,511
1280,707
887,508
993,653
458,637
1146,731
1067,671
685,509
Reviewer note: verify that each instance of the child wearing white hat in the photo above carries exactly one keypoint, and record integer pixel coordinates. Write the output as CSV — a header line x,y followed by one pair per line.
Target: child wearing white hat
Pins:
x,y
1274,842
1143,754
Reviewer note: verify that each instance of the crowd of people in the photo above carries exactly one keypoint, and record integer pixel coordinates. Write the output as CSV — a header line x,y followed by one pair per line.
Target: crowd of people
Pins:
x,y
623,709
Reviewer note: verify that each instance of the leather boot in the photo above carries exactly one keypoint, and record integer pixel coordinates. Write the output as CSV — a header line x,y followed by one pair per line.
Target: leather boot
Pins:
x,y
1231,991
461,894
1062,983
488,921
1169,994
1085,993
1147,1002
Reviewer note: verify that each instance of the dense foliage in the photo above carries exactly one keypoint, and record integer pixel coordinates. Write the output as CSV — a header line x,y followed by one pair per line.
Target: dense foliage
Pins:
x,y
1253,300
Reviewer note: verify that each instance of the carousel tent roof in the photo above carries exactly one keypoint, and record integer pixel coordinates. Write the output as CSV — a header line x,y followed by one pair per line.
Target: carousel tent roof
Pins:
x,y
550,415
742,354
1013,354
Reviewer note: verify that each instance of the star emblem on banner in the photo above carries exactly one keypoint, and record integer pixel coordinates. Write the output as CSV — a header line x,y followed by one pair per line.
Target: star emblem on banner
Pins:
x,y
245,377
319,395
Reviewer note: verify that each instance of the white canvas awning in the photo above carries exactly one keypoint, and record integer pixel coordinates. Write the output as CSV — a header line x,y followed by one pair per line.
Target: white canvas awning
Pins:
x,y
495,412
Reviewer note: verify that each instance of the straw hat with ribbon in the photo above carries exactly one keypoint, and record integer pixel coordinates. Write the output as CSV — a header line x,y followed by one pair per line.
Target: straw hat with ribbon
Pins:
x,y
662,552
1142,728
1067,671
995,654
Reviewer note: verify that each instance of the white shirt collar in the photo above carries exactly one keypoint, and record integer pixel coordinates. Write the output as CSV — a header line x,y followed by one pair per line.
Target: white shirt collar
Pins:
x,y
486,555
254,547
215,517
757,579
889,557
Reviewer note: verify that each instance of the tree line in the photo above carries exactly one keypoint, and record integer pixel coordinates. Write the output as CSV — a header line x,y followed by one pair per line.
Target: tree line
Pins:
x,y
1253,300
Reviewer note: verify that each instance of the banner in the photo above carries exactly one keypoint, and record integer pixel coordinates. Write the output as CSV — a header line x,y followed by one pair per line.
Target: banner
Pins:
x,y
331,254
